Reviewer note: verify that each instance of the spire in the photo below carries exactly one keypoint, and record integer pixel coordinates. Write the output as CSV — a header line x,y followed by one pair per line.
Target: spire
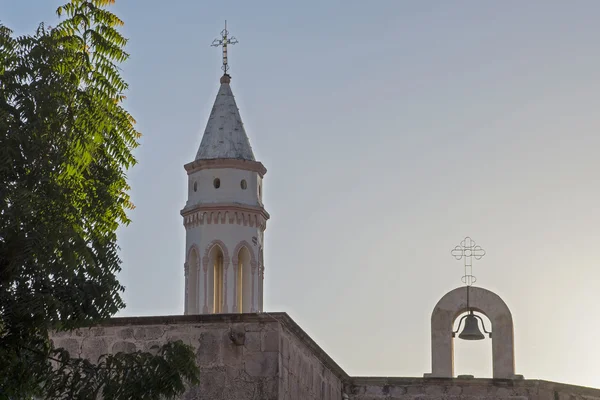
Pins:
x,y
225,136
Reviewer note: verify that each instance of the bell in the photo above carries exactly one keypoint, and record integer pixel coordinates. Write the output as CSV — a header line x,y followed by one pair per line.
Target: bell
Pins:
x,y
471,330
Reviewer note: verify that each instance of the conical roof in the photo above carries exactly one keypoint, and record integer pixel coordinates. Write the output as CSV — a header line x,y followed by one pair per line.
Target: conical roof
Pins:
x,y
225,136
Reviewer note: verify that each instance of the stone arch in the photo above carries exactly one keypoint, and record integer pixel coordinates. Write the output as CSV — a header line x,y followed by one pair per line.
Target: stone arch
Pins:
x,y
239,246
450,306
192,283
210,246
245,282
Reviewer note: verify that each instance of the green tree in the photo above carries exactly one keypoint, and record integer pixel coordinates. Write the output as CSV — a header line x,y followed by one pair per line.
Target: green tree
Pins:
x,y
65,145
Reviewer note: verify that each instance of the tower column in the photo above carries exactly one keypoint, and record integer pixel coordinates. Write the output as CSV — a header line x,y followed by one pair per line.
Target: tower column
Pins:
x,y
226,263
255,291
186,274
236,267
205,285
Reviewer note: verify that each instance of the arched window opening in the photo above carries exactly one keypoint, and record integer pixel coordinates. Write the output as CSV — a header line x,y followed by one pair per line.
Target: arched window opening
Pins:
x,y
215,279
473,357
244,281
193,262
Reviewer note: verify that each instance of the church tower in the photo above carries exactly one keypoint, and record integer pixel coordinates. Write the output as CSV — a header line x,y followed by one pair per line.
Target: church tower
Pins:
x,y
224,216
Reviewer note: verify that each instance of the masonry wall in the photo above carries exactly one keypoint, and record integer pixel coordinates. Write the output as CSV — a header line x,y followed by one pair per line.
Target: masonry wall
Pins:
x,y
307,373
464,389
227,370
240,356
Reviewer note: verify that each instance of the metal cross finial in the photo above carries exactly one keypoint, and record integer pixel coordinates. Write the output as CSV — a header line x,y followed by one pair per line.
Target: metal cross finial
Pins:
x,y
467,250
224,41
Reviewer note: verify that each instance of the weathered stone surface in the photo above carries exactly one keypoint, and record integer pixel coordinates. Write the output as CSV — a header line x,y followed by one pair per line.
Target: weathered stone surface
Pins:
x,y
261,364
94,347
72,345
278,361
123,347
125,333
209,348
252,342
148,332
238,335
270,341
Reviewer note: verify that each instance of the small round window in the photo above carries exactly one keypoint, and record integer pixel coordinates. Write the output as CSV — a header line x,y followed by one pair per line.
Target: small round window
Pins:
x,y
243,184
217,183
195,186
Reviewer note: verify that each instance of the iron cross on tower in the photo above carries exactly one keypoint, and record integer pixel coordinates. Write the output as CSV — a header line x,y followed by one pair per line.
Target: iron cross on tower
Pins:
x,y
224,41
467,250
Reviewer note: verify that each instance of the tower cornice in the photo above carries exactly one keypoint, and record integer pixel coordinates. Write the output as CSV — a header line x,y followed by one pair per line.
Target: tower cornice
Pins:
x,y
225,213
231,163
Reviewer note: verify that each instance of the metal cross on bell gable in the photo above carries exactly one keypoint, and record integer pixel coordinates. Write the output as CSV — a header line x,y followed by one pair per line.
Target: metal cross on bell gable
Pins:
x,y
467,250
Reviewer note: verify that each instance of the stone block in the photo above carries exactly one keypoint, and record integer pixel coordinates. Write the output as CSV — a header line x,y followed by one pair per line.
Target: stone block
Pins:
x,y
97,331
270,341
434,390
237,334
94,347
415,390
396,391
148,332
82,332
125,333
474,390
232,354
267,389
152,346
212,384
454,390
252,342
261,364
208,350
72,345
122,346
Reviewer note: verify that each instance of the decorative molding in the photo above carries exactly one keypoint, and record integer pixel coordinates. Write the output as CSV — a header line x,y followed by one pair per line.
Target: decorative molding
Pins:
x,y
225,213
226,163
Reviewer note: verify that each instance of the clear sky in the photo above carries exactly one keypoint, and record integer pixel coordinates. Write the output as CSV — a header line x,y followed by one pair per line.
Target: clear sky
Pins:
x,y
391,130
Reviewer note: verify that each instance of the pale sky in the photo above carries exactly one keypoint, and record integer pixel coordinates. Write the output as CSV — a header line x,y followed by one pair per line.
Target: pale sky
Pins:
x,y
390,130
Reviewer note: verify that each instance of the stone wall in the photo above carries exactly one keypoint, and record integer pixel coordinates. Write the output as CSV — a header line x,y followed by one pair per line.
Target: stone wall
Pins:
x,y
307,372
464,389
241,356
269,357
247,370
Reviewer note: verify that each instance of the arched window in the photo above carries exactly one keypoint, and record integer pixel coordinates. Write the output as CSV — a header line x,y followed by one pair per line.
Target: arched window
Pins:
x,y
193,262
215,279
244,280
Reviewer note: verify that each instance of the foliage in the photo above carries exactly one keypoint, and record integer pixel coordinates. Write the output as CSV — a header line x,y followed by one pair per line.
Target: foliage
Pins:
x,y
65,145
